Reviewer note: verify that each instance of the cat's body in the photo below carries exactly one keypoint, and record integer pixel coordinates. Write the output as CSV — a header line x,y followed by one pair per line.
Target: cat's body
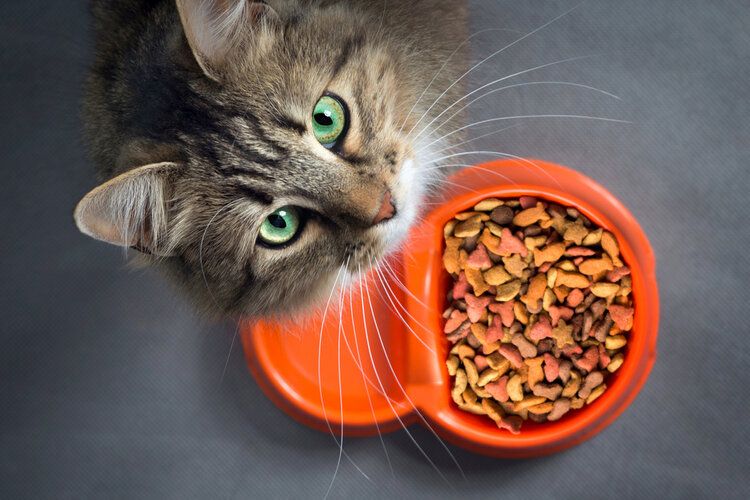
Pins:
x,y
198,116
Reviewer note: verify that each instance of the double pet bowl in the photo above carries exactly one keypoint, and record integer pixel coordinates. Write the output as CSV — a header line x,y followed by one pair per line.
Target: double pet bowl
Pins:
x,y
377,360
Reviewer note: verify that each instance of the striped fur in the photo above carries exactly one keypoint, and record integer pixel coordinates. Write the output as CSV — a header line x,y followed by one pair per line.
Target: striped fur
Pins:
x,y
225,92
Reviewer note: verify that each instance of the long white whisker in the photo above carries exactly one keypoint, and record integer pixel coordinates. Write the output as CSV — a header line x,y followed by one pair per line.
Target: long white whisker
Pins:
x,y
320,382
456,146
367,390
519,117
341,396
507,87
507,77
480,63
395,414
447,60
398,313
231,346
502,155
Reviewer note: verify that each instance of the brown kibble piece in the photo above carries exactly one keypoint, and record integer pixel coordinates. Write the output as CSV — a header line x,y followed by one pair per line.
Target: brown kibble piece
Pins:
x,y
571,279
541,409
604,290
515,265
610,245
515,391
537,287
469,227
530,216
526,348
476,280
488,205
572,386
615,362
591,381
487,376
497,276
593,238
575,233
527,403
598,391
550,253
450,256
508,291
452,365
547,391
592,267
502,215
535,371
614,342
559,408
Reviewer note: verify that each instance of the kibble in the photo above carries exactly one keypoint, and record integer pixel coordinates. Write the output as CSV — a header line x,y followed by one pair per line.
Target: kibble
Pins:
x,y
539,312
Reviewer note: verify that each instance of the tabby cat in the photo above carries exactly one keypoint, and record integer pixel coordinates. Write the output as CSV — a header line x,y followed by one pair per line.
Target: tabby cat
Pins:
x,y
252,149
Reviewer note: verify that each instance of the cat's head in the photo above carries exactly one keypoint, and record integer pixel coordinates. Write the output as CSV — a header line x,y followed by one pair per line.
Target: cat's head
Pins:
x,y
289,156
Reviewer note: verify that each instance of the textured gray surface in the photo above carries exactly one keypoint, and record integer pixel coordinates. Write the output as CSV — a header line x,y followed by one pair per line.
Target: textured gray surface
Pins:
x,y
109,387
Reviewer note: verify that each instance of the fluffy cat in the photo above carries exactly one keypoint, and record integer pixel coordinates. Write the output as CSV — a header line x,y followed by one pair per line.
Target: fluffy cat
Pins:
x,y
252,149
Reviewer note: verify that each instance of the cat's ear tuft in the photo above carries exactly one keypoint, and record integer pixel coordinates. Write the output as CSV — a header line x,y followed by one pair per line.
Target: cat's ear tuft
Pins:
x,y
214,27
130,210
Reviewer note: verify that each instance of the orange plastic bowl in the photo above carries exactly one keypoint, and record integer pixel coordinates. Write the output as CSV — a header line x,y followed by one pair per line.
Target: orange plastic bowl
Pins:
x,y
360,368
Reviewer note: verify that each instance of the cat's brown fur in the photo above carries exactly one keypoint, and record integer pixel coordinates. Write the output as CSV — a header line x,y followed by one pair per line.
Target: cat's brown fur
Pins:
x,y
200,129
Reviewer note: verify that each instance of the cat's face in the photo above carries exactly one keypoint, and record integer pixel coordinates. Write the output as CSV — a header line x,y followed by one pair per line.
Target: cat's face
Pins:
x,y
294,163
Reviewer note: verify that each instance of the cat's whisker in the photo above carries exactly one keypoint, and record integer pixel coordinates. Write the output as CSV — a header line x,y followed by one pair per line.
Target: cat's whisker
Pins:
x,y
374,367
320,381
367,390
447,60
231,347
522,117
392,272
408,399
393,308
498,52
507,77
502,155
473,139
341,395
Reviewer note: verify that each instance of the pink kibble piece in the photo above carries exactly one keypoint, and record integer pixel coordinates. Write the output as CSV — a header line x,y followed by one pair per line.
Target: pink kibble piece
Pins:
x,y
512,354
557,313
579,252
461,286
511,423
476,306
572,350
498,389
622,316
617,274
575,297
551,367
541,329
589,360
479,258
481,362
457,317
545,267
604,357
510,244
505,311
527,202
495,331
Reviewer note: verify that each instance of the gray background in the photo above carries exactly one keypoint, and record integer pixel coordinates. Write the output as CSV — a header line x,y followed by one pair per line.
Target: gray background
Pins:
x,y
111,387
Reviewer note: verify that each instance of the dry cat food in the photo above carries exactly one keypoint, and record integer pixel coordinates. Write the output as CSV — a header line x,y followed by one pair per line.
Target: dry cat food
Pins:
x,y
539,311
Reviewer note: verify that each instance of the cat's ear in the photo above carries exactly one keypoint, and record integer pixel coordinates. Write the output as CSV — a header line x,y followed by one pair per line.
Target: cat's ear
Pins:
x,y
130,210
214,27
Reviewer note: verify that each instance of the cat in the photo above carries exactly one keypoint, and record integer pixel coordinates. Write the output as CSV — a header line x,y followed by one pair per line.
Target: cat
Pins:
x,y
253,149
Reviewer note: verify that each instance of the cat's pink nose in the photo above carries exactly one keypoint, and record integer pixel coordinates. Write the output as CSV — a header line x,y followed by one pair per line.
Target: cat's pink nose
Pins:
x,y
386,210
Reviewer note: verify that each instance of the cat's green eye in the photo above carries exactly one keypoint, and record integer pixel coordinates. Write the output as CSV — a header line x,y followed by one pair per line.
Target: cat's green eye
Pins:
x,y
281,226
329,120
